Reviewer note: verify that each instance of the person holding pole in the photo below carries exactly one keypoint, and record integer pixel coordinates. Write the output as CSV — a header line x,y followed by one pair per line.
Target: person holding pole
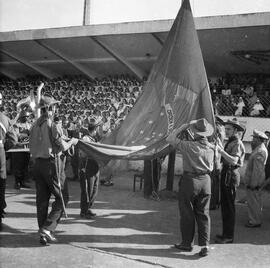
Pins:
x,y
47,147
195,186
233,156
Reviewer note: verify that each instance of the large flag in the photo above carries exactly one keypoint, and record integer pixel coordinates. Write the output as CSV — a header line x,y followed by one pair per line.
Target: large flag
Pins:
x,y
176,92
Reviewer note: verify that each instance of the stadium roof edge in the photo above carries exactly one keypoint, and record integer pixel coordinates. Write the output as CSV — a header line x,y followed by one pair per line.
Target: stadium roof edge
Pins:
x,y
201,23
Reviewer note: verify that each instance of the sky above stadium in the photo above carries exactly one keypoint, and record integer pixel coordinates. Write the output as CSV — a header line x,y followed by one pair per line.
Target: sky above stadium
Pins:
x,y
38,14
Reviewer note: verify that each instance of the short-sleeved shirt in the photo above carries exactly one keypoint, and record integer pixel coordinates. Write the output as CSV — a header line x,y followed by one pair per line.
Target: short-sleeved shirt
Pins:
x,y
255,174
198,156
235,147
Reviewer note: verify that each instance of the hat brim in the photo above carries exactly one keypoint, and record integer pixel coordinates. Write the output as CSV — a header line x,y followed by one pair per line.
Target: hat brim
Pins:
x,y
237,126
218,120
208,132
260,137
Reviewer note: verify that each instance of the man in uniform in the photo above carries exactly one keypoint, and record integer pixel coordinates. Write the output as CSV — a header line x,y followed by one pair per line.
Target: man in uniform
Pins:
x,y
255,177
233,156
47,146
195,185
8,139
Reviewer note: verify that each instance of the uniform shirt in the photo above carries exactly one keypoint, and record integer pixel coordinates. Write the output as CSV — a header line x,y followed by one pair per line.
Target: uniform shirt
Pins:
x,y
46,138
255,173
198,156
235,147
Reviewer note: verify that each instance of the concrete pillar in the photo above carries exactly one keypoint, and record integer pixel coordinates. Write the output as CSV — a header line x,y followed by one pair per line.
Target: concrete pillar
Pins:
x,y
86,15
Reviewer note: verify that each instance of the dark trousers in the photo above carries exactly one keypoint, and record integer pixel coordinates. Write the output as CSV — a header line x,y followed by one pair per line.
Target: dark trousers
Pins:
x,y
2,195
3,176
227,198
75,163
20,164
89,190
194,201
215,189
44,172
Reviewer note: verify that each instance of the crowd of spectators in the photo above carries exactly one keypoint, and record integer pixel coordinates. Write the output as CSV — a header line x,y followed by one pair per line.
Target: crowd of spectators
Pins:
x,y
241,95
110,99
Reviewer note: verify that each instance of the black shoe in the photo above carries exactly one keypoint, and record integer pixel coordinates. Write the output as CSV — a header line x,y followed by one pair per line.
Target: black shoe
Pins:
x,y
88,215
17,186
91,213
183,248
47,235
252,225
26,186
43,241
204,252
224,240
218,236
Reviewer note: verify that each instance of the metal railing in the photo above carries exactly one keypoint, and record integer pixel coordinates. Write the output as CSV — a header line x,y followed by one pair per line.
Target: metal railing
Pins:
x,y
239,105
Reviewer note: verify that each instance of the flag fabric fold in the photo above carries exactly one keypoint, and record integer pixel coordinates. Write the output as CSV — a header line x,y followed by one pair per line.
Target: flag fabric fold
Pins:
x,y
176,92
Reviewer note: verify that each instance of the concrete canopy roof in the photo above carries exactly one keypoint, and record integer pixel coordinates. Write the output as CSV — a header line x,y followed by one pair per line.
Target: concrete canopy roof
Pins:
x,y
230,44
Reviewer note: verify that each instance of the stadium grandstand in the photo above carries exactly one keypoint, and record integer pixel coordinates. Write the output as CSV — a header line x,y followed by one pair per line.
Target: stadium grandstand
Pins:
x,y
91,66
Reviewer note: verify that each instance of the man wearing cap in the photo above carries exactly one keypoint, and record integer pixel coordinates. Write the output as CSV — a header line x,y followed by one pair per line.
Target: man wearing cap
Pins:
x,y
254,178
89,175
47,146
195,185
233,156
8,139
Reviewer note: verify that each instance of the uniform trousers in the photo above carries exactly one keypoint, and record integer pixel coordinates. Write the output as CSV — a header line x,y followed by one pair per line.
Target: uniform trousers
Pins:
x,y
89,190
89,187
44,172
3,176
254,202
227,199
215,189
194,201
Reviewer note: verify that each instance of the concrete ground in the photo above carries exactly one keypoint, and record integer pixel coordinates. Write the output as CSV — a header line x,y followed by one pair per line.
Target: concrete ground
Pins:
x,y
129,231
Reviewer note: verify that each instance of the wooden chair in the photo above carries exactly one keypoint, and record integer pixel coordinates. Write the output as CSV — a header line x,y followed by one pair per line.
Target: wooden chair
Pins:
x,y
140,177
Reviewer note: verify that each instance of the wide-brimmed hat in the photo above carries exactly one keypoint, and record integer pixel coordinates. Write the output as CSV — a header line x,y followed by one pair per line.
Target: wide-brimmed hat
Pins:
x,y
201,127
219,120
259,134
235,123
46,101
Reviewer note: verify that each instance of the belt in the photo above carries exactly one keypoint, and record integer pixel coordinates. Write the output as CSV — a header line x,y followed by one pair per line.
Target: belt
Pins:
x,y
197,173
257,188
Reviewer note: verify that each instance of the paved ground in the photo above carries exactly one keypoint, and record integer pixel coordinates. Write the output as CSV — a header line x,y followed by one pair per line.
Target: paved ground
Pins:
x,y
130,231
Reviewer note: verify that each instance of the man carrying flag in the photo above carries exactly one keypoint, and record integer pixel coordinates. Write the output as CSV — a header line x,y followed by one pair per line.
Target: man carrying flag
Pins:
x,y
195,186
47,146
